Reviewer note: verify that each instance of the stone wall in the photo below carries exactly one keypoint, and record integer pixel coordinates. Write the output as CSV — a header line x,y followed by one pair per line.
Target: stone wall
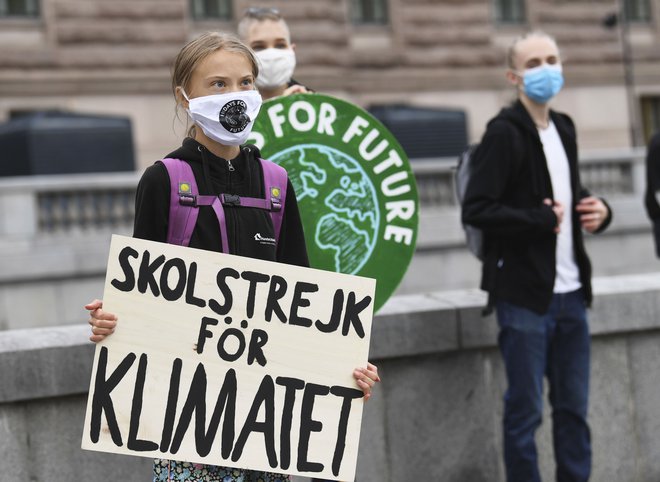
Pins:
x,y
114,58
90,46
435,416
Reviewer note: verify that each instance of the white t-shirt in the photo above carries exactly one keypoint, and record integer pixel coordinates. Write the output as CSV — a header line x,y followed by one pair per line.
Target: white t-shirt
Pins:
x,y
567,278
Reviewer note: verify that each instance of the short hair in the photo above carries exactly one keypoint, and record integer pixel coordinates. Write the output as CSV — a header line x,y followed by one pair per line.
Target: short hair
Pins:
x,y
259,14
511,51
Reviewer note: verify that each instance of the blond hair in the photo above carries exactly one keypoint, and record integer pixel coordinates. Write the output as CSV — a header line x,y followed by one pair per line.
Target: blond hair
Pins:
x,y
259,14
511,51
196,51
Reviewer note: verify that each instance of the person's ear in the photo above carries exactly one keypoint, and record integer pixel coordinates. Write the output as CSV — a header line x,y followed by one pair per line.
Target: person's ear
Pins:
x,y
180,98
293,47
512,77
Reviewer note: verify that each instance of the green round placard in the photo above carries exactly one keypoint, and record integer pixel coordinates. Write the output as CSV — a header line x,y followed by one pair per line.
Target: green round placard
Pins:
x,y
354,185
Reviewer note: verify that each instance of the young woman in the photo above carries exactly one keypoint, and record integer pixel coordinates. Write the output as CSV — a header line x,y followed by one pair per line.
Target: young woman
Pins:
x,y
214,81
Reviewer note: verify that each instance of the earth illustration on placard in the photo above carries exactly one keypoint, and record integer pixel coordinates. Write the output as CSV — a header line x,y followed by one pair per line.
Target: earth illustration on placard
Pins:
x,y
355,189
322,176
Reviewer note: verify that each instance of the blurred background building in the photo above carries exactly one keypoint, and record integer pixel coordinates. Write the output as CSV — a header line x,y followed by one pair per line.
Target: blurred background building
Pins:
x,y
114,57
82,78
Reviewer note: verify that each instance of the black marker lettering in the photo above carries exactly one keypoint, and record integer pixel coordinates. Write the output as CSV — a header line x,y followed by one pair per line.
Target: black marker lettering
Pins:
x,y
133,442
224,289
147,273
291,385
276,292
191,299
352,314
196,402
102,402
309,425
300,302
204,333
254,278
348,394
224,354
255,352
173,294
265,396
335,317
170,409
129,283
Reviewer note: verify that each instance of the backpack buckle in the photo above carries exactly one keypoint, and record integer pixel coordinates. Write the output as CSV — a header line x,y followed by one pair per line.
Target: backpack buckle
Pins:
x,y
231,199
275,198
188,199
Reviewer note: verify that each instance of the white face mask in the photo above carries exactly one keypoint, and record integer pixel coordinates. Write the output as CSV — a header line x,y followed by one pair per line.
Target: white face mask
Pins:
x,y
225,118
275,67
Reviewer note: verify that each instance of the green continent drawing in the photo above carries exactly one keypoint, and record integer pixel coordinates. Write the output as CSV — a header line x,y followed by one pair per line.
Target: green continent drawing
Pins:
x,y
338,205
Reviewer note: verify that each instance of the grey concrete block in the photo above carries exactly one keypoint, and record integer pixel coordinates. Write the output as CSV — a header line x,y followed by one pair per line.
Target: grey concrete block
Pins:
x,y
14,443
53,256
372,463
475,330
644,352
411,325
29,305
611,414
74,294
56,454
45,362
625,312
440,422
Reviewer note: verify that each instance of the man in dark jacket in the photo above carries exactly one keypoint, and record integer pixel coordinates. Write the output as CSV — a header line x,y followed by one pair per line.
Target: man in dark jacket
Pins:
x,y
653,188
525,194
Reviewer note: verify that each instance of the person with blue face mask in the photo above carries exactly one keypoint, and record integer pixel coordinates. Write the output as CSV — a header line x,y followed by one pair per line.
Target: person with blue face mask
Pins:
x,y
525,194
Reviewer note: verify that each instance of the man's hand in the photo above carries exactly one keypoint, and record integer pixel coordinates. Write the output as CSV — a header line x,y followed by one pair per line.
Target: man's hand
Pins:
x,y
593,213
558,209
295,89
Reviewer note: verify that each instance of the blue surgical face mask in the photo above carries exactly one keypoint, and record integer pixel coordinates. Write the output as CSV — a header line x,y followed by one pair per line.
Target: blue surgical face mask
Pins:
x,y
542,83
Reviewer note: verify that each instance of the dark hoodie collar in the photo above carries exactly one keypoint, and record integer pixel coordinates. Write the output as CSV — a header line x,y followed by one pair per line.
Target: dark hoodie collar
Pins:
x,y
216,167
518,114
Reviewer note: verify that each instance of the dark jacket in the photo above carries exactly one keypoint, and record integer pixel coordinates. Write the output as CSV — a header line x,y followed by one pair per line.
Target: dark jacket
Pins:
x,y
213,177
653,186
509,181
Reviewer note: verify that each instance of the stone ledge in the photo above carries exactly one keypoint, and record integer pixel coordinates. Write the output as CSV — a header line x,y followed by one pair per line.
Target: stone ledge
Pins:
x,y
46,362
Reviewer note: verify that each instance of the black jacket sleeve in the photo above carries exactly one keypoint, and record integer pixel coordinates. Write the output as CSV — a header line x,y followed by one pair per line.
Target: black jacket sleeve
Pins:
x,y
493,166
653,187
291,248
152,204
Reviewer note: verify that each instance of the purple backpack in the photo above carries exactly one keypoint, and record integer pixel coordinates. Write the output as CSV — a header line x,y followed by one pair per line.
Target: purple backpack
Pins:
x,y
185,201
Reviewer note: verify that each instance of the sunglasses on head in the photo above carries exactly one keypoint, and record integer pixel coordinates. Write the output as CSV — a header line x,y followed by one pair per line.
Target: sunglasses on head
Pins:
x,y
262,12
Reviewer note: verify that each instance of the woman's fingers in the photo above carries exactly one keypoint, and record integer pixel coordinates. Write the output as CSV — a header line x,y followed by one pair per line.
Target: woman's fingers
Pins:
x,y
366,378
94,305
102,322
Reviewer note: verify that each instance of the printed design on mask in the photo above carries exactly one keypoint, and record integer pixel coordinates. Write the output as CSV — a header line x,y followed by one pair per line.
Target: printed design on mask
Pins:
x,y
232,116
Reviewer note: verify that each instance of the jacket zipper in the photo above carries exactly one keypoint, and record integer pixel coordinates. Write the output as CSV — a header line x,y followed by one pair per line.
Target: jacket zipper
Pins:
x,y
233,245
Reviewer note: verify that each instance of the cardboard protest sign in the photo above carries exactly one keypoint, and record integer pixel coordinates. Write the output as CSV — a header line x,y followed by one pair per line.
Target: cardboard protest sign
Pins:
x,y
355,188
230,361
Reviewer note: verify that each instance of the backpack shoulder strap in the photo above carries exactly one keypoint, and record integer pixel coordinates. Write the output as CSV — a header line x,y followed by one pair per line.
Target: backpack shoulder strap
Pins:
x,y
275,184
182,217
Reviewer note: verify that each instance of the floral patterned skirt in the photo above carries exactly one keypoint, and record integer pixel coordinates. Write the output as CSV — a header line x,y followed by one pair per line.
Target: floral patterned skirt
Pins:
x,y
171,470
